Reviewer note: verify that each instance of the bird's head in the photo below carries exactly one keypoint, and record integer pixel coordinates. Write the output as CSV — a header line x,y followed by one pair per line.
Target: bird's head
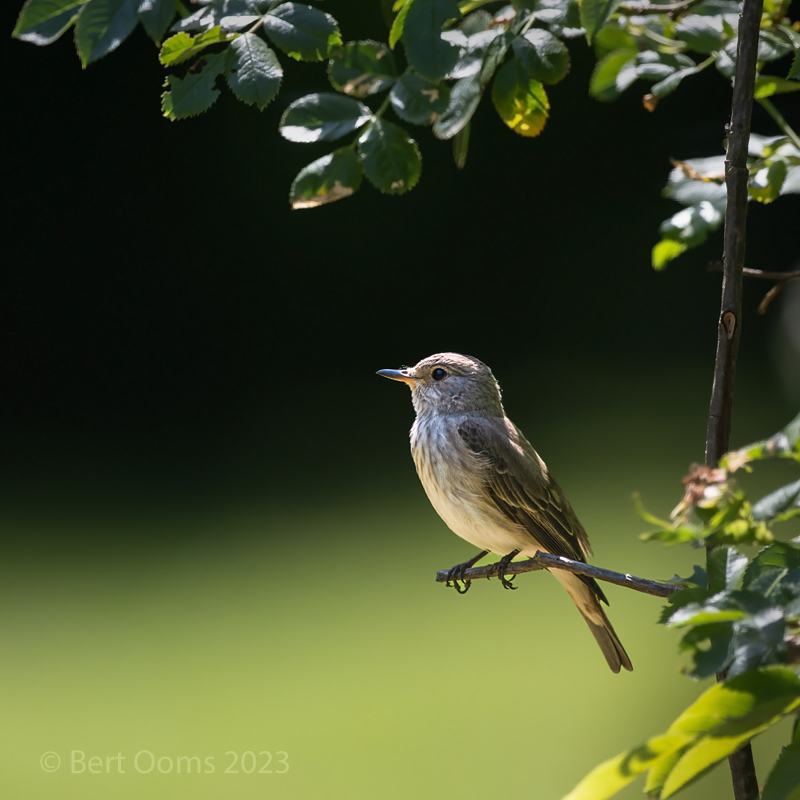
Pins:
x,y
450,382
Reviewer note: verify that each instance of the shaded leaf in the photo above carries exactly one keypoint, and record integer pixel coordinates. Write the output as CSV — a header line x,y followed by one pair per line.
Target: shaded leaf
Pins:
x,y
461,146
362,69
520,101
389,157
794,70
719,608
778,557
302,32
155,16
464,99
784,444
726,566
543,55
189,96
710,648
767,85
255,73
230,14
613,74
34,24
322,117
703,34
426,50
780,503
102,27
682,598
330,178
671,82
417,100
595,14
783,782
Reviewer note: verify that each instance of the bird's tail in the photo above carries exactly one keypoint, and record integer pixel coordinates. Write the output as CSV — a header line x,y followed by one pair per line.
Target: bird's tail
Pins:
x,y
587,598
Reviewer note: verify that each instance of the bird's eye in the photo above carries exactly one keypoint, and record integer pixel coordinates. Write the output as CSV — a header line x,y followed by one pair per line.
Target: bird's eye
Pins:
x,y
438,374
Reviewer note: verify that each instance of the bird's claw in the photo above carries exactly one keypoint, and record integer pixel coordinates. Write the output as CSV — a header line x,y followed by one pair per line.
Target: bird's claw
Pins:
x,y
501,570
456,574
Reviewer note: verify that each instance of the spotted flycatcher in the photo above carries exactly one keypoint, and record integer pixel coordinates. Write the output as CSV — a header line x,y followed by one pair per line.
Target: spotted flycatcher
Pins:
x,y
490,486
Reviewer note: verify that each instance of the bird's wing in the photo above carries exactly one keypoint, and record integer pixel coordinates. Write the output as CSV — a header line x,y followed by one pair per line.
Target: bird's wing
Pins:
x,y
519,485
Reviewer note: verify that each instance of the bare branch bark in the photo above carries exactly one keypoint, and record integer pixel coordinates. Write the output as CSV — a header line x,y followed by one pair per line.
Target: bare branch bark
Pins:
x,y
548,561
743,771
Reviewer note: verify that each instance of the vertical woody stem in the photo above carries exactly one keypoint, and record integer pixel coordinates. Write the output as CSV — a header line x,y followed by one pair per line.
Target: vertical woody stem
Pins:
x,y
743,772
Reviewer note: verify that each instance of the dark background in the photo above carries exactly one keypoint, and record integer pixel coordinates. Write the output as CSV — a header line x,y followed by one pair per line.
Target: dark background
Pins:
x,y
170,325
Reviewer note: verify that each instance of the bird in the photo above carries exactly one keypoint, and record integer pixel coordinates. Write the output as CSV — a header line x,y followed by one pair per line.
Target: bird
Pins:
x,y
490,486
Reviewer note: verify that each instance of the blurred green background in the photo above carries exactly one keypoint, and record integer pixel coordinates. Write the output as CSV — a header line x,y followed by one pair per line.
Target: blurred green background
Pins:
x,y
214,540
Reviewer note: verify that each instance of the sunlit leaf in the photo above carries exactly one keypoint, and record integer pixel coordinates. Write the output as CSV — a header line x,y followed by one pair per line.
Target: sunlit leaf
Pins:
x,y
363,68
194,94
784,444
330,178
322,117
102,27
396,32
182,46
726,566
255,73
520,101
702,33
43,21
613,74
302,32
767,85
389,157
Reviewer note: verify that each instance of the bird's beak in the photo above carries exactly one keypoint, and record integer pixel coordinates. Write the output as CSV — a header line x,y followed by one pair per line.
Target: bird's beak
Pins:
x,y
398,375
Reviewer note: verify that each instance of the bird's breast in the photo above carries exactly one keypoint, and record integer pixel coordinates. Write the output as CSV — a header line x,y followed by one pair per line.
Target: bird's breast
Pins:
x,y
453,479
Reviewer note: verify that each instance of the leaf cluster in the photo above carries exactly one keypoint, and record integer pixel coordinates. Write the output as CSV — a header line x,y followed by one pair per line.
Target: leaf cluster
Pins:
x,y
739,619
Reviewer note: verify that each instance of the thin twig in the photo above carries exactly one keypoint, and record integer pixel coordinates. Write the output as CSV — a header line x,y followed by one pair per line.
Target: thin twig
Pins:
x,y
780,278
674,9
548,561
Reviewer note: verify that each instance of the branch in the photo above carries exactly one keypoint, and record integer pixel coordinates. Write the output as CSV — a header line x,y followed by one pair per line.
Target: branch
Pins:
x,y
674,10
548,561
742,766
780,278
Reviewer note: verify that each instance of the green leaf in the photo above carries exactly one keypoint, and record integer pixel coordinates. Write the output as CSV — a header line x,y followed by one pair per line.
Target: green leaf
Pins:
x,y
102,27
784,444
322,117
719,608
232,15
464,99
613,74
326,180
195,93
595,14
543,55
660,771
461,146
608,39
155,16
671,82
181,47
419,101
765,186
398,25
520,101
767,85
703,34
710,648
41,22
780,503
389,157
362,69
776,558
726,566
784,780
302,32
255,72
665,251
426,51
616,773
794,70
728,715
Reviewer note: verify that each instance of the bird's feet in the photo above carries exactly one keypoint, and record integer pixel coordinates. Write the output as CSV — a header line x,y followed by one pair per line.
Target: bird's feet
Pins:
x,y
501,569
456,574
